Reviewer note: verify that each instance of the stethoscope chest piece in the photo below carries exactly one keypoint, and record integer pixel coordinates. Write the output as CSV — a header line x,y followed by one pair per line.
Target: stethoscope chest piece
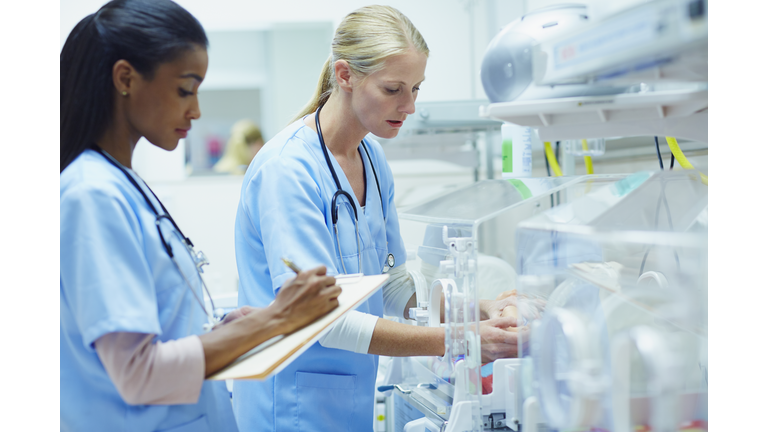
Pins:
x,y
390,263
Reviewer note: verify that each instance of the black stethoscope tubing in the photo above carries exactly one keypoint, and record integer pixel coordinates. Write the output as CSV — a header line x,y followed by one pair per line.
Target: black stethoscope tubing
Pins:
x,y
166,244
165,215
339,190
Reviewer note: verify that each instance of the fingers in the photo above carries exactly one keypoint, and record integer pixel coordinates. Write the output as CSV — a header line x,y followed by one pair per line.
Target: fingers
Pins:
x,y
319,270
506,294
498,351
497,343
507,301
332,304
333,291
503,322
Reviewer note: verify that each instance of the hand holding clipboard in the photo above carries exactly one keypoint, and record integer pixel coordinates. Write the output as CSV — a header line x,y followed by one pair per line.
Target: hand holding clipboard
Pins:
x,y
273,355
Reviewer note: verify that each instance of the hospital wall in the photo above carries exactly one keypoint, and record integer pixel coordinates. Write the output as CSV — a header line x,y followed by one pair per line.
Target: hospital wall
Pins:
x,y
279,47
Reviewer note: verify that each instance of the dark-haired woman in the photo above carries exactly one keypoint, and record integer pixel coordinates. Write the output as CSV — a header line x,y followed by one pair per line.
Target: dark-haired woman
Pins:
x,y
134,353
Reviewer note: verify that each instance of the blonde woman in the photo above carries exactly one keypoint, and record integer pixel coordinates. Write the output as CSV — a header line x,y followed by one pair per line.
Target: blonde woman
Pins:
x,y
244,142
321,192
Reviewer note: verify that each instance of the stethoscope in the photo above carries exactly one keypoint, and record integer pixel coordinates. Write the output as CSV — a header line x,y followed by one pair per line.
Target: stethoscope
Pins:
x,y
342,193
198,258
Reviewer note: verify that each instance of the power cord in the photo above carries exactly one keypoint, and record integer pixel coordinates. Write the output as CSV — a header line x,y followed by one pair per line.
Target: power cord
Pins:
x,y
658,153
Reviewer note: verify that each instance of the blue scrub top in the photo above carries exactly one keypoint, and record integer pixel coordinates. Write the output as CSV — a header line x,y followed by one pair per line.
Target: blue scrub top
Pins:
x,y
285,211
116,277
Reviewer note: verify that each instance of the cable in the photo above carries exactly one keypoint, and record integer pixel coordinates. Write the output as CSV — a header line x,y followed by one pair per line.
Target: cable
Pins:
x,y
658,153
549,174
675,148
552,159
672,162
587,159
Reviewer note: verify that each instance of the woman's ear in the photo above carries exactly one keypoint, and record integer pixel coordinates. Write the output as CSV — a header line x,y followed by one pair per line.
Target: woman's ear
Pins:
x,y
343,75
123,77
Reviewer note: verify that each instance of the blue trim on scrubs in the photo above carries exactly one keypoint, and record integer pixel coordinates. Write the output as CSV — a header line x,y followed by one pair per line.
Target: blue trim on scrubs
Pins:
x,y
116,277
285,211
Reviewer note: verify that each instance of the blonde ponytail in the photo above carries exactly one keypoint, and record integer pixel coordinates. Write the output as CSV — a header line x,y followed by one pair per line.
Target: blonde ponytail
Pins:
x,y
322,91
365,39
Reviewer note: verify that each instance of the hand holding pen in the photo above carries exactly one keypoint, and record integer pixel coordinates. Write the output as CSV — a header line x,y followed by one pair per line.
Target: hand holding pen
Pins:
x,y
307,297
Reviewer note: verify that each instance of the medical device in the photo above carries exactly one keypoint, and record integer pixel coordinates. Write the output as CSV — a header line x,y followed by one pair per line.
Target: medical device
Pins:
x,y
654,53
622,342
507,68
462,246
608,348
198,257
390,262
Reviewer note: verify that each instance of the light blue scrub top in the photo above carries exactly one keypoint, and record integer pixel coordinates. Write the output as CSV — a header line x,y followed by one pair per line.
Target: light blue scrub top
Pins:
x,y
116,277
285,211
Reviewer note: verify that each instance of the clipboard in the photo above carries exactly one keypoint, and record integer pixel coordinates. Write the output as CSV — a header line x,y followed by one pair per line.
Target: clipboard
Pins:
x,y
273,355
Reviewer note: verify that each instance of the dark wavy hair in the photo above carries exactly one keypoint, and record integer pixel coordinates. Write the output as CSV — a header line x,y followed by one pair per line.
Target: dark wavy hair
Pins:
x,y
146,33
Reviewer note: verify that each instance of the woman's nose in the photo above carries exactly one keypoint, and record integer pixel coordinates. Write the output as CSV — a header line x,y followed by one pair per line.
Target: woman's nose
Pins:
x,y
409,106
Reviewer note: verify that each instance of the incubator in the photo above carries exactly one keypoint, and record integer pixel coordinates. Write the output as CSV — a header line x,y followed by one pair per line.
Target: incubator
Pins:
x,y
461,248
622,342
610,276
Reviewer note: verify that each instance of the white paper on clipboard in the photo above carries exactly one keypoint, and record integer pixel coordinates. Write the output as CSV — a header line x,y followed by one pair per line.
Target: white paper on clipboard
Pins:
x,y
275,354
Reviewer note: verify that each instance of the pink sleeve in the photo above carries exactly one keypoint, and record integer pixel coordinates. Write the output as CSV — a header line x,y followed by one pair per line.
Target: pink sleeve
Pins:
x,y
147,373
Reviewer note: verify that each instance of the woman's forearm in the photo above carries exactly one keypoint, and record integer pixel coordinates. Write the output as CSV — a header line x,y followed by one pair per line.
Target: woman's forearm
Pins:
x,y
225,344
398,340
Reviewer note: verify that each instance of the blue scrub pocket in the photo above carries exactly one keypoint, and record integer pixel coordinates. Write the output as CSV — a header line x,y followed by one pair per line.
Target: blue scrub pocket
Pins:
x,y
325,402
199,424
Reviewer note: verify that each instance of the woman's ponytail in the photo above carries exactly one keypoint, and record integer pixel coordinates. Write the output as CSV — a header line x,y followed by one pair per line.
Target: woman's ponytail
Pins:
x,y
322,91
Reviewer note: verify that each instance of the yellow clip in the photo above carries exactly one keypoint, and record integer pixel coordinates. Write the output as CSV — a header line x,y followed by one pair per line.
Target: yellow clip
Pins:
x,y
587,159
552,159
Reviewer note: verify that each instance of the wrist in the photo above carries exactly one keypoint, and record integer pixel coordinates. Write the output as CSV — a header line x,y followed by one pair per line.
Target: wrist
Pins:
x,y
483,305
439,341
269,321
276,320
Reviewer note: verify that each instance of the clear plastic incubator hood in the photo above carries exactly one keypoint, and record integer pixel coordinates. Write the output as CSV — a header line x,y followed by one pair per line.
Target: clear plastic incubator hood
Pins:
x,y
461,247
622,342
610,279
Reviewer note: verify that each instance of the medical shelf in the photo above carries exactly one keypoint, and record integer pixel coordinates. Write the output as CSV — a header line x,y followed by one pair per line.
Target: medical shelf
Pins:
x,y
679,111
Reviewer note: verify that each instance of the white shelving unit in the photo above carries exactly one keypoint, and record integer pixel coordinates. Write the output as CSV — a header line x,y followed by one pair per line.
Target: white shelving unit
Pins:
x,y
679,112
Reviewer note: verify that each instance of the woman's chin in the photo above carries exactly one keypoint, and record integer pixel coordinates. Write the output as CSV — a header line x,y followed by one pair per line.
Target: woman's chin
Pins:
x,y
167,144
387,133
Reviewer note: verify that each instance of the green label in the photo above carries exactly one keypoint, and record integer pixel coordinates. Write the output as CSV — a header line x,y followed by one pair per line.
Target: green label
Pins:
x,y
506,156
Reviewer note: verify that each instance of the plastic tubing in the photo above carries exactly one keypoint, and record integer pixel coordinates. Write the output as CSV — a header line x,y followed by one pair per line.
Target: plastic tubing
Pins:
x,y
675,148
587,159
552,160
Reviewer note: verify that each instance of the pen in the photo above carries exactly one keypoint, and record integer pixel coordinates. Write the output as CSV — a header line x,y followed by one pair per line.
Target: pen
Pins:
x,y
291,265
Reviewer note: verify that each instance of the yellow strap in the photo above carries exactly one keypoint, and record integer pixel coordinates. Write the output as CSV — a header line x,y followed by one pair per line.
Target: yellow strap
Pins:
x,y
587,159
680,157
552,160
